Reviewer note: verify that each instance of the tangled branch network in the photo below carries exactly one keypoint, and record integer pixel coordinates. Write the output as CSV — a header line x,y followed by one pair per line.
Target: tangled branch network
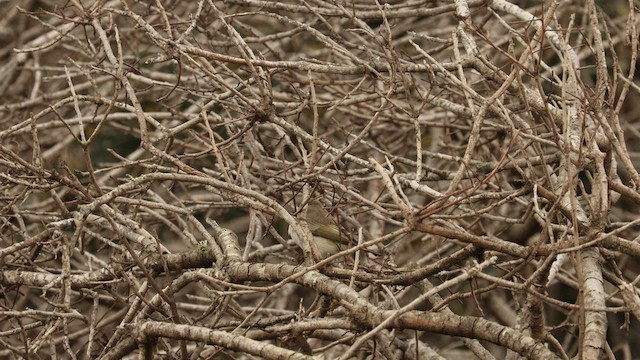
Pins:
x,y
476,161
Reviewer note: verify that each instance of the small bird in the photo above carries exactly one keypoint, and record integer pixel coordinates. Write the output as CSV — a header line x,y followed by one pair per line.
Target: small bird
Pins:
x,y
327,235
